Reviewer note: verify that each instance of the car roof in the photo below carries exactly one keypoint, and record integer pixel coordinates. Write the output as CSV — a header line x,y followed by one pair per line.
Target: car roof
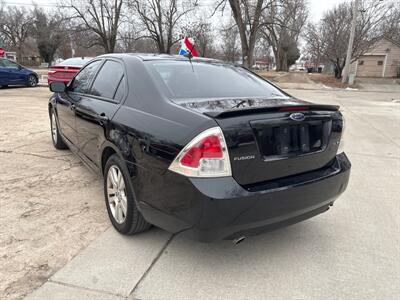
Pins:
x,y
156,56
79,57
67,62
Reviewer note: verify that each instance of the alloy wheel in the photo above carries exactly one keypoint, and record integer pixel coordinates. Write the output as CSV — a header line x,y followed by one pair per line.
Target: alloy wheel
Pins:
x,y
32,81
54,128
116,194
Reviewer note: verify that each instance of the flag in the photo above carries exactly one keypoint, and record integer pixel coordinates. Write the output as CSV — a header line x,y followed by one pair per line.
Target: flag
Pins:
x,y
187,46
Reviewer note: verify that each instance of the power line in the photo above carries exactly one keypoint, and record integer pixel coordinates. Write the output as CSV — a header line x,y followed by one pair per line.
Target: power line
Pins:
x,y
29,4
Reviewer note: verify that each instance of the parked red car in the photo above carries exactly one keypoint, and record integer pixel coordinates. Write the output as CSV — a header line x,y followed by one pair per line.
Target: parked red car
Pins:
x,y
67,69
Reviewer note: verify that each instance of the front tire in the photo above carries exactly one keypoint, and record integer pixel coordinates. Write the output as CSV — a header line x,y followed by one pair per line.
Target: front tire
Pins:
x,y
120,199
32,81
58,142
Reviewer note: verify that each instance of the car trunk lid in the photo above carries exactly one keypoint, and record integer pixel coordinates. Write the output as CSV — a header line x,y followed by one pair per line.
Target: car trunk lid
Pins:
x,y
269,139
63,72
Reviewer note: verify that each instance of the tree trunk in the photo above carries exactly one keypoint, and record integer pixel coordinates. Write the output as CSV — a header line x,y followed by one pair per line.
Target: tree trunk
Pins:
x,y
279,60
284,65
19,53
339,69
248,43
247,56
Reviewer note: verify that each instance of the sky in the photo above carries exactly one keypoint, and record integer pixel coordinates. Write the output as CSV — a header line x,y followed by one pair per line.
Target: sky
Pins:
x,y
317,7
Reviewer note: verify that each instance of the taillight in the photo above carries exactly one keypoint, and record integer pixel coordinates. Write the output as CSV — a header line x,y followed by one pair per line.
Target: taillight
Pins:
x,y
205,156
341,142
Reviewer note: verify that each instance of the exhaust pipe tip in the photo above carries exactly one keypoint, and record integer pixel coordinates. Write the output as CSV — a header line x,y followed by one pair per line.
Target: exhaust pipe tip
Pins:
x,y
238,240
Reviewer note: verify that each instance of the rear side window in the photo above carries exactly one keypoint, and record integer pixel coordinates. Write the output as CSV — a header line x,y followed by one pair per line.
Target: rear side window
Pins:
x,y
82,81
107,80
10,64
199,80
120,93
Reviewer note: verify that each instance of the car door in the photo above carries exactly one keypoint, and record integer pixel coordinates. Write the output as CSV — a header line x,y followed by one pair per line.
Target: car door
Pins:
x,y
66,102
3,73
16,75
96,108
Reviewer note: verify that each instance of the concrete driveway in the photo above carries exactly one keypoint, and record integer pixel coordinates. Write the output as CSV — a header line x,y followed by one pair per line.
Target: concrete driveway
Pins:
x,y
350,252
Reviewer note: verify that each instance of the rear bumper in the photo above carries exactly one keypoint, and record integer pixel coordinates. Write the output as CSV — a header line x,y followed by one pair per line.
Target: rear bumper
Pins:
x,y
51,79
219,208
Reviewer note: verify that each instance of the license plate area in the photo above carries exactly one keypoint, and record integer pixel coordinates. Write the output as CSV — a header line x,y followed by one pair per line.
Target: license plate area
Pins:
x,y
280,139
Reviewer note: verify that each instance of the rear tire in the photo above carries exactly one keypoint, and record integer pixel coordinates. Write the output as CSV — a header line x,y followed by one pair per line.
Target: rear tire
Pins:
x,y
32,81
120,199
58,142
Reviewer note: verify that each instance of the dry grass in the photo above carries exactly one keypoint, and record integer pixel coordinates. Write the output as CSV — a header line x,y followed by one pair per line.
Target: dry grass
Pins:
x,y
302,77
270,74
328,80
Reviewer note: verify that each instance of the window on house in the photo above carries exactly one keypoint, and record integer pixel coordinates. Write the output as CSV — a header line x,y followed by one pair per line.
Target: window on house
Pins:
x,y
380,62
361,62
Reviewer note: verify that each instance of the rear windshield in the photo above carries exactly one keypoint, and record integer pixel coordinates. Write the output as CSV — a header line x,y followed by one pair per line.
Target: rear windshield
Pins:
x,y
181,80
76,61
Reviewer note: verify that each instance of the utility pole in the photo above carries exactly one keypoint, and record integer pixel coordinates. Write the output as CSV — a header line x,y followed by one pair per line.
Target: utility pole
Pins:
x,y
346,69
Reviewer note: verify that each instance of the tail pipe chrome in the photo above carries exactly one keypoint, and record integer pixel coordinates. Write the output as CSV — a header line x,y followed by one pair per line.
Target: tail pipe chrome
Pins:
x,y
238,240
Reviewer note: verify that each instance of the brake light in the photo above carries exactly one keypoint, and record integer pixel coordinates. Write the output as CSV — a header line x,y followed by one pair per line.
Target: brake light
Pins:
x,y
341,142
293,108
205,156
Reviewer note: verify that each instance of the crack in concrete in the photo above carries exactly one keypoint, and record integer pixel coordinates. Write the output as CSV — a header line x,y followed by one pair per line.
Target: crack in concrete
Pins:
x,y
37,155
41,156
85,288
151,266
5,151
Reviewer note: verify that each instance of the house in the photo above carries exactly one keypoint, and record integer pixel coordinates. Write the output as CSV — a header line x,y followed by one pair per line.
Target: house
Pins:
x,y
11,55
382,60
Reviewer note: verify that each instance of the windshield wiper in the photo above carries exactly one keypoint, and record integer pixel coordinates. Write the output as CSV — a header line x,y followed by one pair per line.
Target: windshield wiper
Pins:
x,y
239,104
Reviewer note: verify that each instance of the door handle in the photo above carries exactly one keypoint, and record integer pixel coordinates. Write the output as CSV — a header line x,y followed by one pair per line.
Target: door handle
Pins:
x,y
102,118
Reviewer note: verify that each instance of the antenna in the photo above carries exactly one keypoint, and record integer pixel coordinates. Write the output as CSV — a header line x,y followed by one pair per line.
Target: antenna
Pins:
x,y
189,55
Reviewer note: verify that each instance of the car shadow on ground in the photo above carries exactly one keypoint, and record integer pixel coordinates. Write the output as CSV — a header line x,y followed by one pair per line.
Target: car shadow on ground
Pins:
x,y
283,240
15,87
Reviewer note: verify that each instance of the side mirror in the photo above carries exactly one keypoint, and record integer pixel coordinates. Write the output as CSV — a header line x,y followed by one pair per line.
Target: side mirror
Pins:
x,y
57,87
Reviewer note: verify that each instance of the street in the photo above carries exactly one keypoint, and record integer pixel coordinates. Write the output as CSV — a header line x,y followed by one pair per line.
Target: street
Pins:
x,y
56,240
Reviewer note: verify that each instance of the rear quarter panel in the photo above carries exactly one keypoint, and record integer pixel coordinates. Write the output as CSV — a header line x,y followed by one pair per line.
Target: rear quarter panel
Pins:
x,y
149,132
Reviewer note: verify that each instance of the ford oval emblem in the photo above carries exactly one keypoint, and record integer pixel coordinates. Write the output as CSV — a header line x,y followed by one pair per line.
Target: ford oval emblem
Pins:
x,y
297,116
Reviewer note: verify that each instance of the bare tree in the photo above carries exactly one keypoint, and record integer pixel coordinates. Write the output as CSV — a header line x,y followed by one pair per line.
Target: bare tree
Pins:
x,y
131,41
281,26
247,15
82,42
231,43
391,25
127,37
101,17
331,35
49,33
15,26
314,46
202,34
160,19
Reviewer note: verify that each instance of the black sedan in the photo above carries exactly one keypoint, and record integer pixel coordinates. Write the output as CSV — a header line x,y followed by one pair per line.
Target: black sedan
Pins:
x,y
199,147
